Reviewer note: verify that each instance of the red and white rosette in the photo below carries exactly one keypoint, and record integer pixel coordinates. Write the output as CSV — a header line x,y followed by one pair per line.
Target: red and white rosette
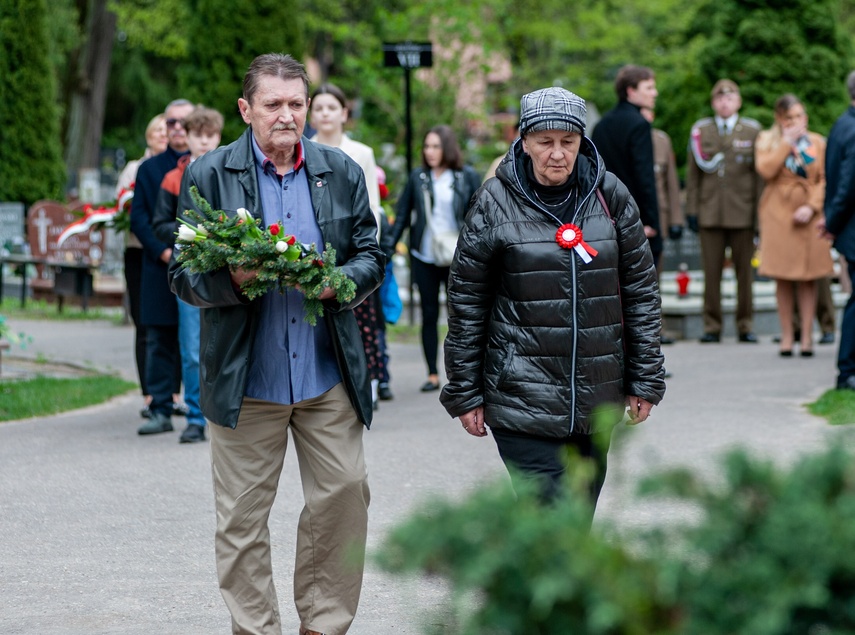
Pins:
x,y
569,236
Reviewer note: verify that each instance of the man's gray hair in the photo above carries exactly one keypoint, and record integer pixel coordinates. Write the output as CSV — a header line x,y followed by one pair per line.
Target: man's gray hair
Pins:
x,y
178,102
275,64
850,85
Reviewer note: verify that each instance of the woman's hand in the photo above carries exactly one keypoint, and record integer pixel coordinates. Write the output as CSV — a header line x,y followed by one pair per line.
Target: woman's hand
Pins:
x,y
473,422
802,215
794,132
639,409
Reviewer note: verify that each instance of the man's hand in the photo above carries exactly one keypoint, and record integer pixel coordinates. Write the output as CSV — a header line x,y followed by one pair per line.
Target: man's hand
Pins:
x,y
239,276
326,294
166,255
473,422
822,231
639,409
649,232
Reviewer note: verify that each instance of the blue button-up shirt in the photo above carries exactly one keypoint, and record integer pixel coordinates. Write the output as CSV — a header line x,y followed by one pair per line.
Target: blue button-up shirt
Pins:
x,y
291,360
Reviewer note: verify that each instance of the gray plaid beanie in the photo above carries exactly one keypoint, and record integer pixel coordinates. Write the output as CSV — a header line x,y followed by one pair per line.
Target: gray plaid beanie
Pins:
x,y
552,109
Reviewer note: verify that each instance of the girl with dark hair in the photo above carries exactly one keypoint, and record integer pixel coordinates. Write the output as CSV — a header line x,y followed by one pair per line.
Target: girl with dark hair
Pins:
x,y
434,202
328,111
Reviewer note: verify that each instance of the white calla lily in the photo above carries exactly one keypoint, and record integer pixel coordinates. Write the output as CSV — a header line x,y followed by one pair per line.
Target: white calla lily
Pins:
x,y
281,246
243,213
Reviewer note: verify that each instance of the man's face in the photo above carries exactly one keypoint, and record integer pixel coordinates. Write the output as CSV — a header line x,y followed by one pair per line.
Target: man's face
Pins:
x,y
175,129
643,95
202,141
727,104
553,154
277,113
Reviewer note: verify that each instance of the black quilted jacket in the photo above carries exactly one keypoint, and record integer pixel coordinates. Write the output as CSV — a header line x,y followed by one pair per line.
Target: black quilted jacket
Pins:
x,y
539,338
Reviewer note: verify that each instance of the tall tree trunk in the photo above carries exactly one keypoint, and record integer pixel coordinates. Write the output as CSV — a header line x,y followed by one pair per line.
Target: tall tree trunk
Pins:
x,y
91,70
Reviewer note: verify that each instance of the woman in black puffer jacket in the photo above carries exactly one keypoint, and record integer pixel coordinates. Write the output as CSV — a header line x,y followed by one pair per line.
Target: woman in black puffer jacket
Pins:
x,y
553,302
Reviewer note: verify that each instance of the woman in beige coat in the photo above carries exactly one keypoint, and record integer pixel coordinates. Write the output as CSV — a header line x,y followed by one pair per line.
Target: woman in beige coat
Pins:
x,y
792,161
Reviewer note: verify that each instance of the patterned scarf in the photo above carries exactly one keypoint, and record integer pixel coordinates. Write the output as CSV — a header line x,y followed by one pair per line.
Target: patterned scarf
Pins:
x,y
801,155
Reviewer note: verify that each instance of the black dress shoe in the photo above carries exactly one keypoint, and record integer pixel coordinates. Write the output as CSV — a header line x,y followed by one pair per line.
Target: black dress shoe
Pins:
x,y
193,433
665,340
429,386
846,384
806,353
384,393
710,338
748,338
827,338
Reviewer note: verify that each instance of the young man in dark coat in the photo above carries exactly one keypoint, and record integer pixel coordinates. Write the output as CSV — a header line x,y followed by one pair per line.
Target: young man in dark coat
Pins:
x,y
623,139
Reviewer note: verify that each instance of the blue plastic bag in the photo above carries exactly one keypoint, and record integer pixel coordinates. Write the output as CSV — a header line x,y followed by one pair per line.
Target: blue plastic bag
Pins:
x,y
389,296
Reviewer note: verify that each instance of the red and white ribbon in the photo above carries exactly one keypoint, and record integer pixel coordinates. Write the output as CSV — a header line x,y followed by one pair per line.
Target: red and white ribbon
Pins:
x,y
569,236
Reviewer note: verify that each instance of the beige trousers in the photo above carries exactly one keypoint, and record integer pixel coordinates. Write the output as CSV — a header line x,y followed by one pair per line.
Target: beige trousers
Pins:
x,y
332,529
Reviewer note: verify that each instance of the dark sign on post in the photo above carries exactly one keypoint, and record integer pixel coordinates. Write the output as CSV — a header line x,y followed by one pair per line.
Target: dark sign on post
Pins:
x,y
407,54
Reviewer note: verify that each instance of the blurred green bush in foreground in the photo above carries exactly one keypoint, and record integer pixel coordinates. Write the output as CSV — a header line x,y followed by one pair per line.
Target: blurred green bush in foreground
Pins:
x,y
770,555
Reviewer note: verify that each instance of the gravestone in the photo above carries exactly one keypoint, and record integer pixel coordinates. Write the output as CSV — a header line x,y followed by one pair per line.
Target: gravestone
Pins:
x,y
46,220
11,225
686,250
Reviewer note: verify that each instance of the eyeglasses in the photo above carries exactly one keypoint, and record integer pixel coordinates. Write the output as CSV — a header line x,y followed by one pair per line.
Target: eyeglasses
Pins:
x,y
171,123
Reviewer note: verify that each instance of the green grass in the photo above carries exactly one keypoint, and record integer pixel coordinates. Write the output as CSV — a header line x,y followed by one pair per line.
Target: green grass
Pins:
x,y
43,396
838,406
408,333
43,310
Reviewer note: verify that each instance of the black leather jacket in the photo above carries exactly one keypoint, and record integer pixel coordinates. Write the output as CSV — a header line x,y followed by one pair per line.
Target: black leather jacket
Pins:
x,y
227,178
410,209
539,338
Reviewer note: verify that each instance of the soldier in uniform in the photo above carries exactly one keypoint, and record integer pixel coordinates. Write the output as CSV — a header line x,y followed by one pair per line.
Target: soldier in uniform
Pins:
x,y
722,192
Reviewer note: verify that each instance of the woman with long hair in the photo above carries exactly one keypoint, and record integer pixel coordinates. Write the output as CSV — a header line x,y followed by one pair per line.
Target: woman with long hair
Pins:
x,y
791,160
434,202
329,113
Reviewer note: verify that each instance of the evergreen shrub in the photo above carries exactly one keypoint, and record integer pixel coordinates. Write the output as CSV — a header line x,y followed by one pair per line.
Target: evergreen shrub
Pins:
x,y
770,555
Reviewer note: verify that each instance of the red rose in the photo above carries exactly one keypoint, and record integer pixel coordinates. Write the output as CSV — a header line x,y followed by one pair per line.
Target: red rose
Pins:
x,y
291,240
319,263
274,229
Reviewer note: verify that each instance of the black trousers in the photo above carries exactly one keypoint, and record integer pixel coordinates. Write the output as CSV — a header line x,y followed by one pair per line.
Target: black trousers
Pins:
x,y
162,355
133,284
545,459
428,278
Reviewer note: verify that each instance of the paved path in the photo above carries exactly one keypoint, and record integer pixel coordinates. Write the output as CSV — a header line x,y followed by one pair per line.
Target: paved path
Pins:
x,y
102,531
